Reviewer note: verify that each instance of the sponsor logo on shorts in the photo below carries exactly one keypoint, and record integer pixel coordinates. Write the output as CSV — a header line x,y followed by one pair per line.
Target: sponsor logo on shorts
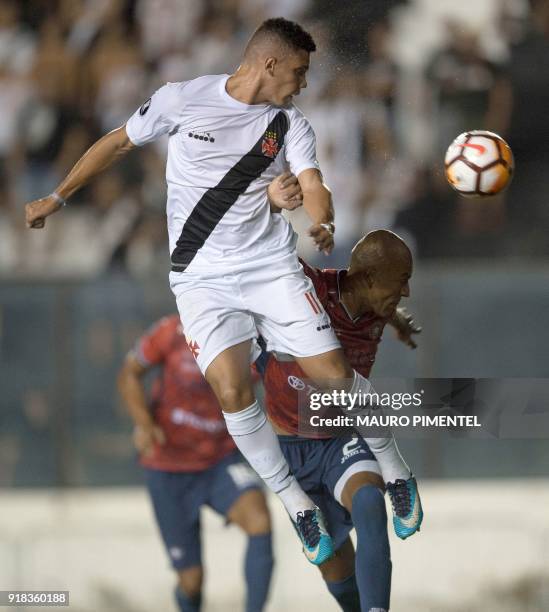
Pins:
x,y
351,449
176,553
322,327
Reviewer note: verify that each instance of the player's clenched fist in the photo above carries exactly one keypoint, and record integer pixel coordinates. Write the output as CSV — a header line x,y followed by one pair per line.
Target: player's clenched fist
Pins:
x,y
284,192
144,438
323,236
37,211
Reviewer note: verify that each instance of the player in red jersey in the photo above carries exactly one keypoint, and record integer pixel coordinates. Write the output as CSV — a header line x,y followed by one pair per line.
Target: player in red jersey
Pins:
x,y
190,460
341,474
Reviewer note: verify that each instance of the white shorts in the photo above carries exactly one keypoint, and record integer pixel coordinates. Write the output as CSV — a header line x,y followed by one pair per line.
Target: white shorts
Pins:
x,y
275,300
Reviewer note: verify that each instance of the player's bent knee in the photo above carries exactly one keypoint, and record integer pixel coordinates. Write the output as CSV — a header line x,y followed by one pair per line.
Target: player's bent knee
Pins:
x,y
190,580
234,398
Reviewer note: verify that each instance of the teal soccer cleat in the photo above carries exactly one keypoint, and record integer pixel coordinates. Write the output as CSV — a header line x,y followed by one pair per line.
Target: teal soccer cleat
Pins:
x,y
317,543
407,510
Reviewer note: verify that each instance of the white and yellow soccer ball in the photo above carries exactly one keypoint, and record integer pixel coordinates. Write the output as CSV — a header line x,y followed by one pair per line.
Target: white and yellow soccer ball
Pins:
x,y
479,164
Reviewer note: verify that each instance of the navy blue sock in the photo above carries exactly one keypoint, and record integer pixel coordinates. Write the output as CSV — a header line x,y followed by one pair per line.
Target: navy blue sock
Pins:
x,y
373,556
345,592
258,568
187,604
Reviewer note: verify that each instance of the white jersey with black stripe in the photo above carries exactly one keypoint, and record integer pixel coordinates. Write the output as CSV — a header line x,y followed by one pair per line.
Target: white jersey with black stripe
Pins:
x,y
222,154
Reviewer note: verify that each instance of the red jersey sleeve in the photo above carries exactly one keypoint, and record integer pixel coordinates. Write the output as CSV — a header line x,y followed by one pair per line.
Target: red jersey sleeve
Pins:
x,y
153,347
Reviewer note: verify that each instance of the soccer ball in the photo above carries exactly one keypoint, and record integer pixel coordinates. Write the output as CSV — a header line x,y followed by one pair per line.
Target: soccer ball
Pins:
x,y
479,164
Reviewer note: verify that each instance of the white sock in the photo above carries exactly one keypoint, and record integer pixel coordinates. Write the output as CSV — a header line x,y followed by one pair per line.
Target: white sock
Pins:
x,y
385,449
257,441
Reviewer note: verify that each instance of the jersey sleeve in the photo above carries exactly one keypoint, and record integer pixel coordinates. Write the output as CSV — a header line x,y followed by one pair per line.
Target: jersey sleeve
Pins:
x,y
153,347
157,116
300,144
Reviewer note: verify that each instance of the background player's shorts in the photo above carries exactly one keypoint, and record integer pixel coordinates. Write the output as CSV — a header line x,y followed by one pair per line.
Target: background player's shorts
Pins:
x,y
178,496
322,467
273,299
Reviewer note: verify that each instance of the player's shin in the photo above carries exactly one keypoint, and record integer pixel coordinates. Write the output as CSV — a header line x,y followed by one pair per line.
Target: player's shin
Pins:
x,y
258,568
383,444
345,592
187,603
373,557
257,441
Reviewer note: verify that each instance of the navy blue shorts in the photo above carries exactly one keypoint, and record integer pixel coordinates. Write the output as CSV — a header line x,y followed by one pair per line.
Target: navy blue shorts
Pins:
x,y
178,496
322,467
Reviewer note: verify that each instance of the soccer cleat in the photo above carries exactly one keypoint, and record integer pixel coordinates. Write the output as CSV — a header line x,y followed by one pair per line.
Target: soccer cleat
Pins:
x,y
317,543
407,510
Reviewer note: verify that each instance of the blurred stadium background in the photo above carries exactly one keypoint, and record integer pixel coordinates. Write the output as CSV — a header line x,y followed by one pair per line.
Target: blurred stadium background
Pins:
x,y
393,82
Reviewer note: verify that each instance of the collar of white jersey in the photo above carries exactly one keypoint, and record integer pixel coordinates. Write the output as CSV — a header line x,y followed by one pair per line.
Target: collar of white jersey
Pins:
x,y
233,101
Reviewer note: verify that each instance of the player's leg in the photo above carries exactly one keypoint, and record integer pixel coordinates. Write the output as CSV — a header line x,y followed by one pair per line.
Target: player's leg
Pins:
x,y
219,329
236,494
251,514
363,498
356,484
401,485
339,575
230,378
188,592
176,499
333,366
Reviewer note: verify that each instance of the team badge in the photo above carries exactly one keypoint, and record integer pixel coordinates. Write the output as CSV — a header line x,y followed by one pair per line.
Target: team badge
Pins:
x,y
145,107
193,345
269,146
375,331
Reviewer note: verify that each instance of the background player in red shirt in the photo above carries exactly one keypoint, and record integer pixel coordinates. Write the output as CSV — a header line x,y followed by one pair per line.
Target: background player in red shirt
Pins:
x,y
341,474
190,460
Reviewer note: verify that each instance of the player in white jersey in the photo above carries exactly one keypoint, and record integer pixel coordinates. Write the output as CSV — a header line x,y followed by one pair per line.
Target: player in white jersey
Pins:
x,y
235,272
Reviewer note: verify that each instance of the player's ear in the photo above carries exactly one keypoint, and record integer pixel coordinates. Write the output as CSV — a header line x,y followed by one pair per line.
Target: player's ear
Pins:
x,y
270,64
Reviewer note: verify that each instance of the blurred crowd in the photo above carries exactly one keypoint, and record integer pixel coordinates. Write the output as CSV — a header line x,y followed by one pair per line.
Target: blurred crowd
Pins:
x,y
71,70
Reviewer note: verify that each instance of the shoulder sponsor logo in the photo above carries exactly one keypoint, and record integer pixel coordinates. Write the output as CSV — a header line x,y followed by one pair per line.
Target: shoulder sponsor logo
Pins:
x,y
145,107
296,383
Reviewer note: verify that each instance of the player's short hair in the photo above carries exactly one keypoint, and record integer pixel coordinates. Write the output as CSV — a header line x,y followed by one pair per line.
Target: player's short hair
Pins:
x,y
288,32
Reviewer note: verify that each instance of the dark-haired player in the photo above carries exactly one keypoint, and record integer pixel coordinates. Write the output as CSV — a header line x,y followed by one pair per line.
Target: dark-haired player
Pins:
x,y
190,460
340,473
235,272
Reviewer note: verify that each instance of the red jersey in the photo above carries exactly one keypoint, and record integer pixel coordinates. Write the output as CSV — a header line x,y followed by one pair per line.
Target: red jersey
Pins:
x,y
359,339
183,404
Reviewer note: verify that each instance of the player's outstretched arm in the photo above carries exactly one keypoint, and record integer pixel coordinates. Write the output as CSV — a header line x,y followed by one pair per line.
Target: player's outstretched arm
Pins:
x,y
97,158
317,201
131,388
